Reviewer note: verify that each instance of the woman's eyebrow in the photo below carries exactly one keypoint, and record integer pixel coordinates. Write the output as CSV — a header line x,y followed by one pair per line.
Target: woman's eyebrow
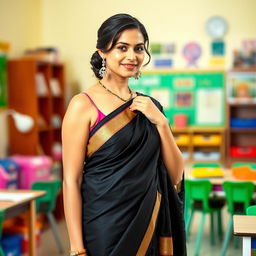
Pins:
x,y
129,44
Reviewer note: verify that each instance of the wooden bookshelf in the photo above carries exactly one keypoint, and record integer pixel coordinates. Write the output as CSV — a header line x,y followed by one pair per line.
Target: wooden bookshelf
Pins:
x,y
46,109
212,141
242,139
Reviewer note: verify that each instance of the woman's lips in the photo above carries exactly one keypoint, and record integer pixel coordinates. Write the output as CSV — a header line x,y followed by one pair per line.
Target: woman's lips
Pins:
x,y
129,66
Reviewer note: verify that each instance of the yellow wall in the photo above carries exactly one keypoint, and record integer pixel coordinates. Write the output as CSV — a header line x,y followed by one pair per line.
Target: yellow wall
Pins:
x,y
20,25
71,26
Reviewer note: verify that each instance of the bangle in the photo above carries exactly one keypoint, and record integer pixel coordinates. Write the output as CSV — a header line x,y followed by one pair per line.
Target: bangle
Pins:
x,y
77,253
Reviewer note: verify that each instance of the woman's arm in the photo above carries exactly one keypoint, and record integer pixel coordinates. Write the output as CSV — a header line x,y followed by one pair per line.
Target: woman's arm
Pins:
x,y
171,154
75,132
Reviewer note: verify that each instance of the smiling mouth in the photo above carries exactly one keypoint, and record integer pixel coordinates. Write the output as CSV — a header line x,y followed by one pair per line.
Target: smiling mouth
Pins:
x,y
129,66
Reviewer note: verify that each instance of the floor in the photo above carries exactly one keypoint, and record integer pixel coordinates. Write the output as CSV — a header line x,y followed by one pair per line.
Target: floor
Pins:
x,y
48,246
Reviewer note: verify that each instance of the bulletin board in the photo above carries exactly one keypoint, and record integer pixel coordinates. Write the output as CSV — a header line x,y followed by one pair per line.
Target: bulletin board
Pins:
x,y
198,94
3,81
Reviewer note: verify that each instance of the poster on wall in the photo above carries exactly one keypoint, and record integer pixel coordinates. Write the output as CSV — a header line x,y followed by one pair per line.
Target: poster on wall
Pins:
x,y
209,107
163,96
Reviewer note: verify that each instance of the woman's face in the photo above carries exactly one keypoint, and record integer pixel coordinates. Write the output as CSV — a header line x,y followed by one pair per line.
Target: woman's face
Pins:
x,y
127,55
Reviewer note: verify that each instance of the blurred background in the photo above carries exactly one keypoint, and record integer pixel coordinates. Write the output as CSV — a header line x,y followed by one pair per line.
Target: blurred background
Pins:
x,y
203,71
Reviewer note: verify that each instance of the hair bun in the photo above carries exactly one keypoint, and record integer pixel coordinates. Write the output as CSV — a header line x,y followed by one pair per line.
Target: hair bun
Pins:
x,y
96,63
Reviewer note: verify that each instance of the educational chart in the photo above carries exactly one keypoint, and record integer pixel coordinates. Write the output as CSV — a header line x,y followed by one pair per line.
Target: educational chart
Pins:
x,y
198,94
3,82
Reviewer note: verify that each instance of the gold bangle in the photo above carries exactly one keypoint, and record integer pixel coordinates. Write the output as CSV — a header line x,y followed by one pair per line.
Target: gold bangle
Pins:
x,y
77,253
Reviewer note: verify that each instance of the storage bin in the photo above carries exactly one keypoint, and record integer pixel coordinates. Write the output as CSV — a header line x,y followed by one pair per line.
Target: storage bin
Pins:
x,y
182,139
11,244
33,168
8,174
243,123
22,231
237,151
206,156
207,140
185,155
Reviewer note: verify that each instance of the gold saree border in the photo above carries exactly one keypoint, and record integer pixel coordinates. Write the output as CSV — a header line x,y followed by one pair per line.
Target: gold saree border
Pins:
x,y
151,228
166,246
108,130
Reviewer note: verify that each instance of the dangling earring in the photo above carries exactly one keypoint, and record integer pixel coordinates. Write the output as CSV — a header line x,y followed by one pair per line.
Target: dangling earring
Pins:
x,y
137,75
103,70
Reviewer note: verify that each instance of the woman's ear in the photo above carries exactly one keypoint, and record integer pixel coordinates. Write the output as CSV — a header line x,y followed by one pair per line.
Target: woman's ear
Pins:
x,y
101,53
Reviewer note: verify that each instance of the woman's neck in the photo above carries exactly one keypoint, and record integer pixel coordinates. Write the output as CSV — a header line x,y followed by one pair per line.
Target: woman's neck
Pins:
x,y
118,85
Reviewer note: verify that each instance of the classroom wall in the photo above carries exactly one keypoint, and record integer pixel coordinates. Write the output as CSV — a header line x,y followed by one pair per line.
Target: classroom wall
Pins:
x,y
20,25
72,26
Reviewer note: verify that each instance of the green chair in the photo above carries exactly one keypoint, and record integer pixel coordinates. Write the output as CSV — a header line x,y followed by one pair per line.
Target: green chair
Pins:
x,y
1,227
251,210
198,198
238,196
47,203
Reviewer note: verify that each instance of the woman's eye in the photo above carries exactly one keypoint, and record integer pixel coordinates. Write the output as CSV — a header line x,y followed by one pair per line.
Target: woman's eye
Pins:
x,y
122,48
140,49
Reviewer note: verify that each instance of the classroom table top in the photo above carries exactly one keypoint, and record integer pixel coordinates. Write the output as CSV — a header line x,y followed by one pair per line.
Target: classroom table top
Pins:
x,y
244,225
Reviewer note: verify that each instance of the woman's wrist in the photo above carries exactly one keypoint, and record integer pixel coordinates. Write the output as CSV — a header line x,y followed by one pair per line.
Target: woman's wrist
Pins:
x,y
81,252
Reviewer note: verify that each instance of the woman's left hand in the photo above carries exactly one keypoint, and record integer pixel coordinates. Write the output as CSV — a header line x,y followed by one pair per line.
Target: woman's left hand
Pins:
x,y
149,109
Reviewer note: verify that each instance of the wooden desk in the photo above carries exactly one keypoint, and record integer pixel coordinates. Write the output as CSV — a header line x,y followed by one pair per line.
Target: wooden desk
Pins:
x,y
14,208
245,226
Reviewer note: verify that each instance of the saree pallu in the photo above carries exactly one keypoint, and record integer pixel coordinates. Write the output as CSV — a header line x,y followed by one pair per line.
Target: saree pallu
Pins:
x,y
130,207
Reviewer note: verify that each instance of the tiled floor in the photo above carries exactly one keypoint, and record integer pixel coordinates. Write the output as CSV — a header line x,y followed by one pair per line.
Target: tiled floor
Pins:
x,y
48,246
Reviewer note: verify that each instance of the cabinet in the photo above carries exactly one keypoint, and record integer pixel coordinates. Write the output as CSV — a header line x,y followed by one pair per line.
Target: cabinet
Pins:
x,y
36,88
201,143
241,132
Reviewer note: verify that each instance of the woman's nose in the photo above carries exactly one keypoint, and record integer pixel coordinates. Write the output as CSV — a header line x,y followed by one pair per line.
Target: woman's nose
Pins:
x,y
131,54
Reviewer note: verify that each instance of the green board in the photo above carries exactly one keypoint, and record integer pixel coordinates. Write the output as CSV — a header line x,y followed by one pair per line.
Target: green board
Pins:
x,y
199,95
3,82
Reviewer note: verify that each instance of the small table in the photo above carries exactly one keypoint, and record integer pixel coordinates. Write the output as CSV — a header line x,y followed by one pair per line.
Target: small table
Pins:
x,y
245,226
15,202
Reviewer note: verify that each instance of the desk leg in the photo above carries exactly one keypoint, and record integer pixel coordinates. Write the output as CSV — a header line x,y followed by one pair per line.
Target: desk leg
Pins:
x,y
246,246
32,225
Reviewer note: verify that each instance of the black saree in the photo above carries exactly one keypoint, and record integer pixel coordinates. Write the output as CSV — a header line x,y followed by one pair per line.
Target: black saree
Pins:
x,y
130,207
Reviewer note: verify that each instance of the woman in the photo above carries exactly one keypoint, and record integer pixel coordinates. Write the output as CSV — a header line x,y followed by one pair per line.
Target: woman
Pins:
x,y
120,159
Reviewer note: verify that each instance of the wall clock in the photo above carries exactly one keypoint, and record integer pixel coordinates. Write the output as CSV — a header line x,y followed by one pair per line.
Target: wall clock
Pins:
x,y
216,27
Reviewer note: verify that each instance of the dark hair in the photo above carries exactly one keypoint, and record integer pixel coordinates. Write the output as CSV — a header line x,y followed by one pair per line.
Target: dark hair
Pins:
x,y
110,31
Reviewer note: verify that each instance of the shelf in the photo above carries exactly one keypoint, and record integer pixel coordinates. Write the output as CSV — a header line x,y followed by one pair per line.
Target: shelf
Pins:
x,y
242,130
43,108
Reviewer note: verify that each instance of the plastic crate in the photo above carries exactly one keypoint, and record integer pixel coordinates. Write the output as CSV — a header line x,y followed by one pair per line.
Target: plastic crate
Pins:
x,y
33,168
243,123
11,244
182,140
206,140
237,151
9,170
206,156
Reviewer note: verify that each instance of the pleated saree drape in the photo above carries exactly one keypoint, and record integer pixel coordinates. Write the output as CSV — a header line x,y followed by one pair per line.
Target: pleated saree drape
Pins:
x,y
130,207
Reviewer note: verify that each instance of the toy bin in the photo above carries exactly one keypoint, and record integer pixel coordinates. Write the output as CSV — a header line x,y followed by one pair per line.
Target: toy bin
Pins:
x,y
236,151
207,140
8,174
33,168
182,140
22,231
11,245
